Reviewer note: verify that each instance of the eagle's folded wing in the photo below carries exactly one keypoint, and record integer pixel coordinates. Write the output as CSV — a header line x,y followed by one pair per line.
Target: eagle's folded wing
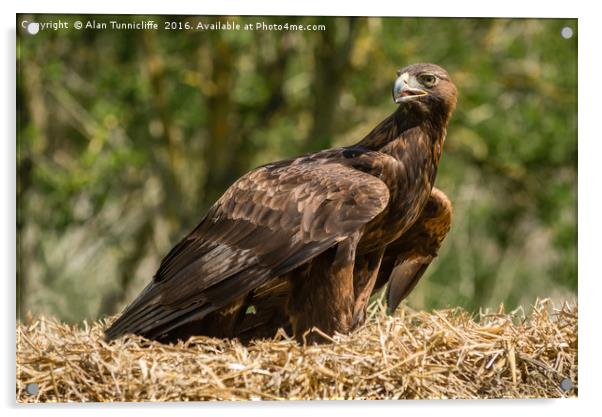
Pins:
x,y
406,259
267,223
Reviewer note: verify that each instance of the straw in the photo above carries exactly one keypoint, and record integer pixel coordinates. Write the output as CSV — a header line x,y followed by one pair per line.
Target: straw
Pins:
x,y
411,355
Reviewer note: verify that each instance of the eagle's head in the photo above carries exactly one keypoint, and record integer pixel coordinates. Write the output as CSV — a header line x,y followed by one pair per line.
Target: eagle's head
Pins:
x,y
426,88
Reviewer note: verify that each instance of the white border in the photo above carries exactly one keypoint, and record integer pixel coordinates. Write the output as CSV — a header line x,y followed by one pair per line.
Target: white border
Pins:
x,y
590,80
456,8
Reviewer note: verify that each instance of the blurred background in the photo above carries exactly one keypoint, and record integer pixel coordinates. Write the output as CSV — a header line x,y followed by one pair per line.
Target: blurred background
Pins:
x,y
125,138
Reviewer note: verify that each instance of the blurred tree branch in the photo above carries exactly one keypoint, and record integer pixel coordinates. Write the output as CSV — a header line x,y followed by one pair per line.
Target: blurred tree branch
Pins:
x,y
331,55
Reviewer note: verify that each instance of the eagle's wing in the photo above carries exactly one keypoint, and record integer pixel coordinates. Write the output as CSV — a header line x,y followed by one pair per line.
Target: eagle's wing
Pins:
x,y
406,259
404,277
267,223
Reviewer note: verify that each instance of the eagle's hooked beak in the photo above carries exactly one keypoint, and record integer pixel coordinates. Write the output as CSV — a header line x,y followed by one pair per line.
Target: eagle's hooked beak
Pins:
x,y
406,89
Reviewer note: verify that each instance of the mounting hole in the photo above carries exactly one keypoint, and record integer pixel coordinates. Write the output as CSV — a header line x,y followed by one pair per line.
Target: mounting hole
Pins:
x,y
566,32
566,384
32,389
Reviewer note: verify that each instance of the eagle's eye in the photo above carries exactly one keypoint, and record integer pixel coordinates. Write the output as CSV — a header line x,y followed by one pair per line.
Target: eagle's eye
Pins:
x,y
428,80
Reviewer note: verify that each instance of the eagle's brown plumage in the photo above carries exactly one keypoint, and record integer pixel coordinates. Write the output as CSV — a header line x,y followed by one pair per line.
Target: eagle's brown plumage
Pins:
x,y
406,259
265,310
310,230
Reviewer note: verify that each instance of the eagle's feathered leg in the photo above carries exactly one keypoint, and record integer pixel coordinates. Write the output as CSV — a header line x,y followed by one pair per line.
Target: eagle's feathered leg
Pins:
x,y
324,297
364,277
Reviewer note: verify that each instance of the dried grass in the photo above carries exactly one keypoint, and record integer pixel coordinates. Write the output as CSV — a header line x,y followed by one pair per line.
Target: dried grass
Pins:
x,y
444,354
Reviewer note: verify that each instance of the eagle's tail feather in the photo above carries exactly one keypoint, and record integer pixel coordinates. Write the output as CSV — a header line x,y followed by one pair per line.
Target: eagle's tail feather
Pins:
x,y
152,322
148,317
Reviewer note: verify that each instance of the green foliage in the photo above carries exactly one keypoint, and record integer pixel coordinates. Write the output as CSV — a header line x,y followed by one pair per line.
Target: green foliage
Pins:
x,y
126,137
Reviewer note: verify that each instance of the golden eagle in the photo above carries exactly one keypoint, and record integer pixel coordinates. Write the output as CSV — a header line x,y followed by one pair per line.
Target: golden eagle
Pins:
x,y
304,242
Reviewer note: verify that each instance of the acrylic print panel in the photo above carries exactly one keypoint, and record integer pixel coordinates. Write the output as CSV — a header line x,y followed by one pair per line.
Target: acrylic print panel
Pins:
x,y
173,245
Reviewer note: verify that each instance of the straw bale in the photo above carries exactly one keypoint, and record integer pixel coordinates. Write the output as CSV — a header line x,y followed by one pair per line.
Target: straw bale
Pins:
x,y
411,355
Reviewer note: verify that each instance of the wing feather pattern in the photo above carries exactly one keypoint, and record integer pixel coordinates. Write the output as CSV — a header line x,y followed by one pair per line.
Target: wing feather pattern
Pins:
x,y
267,223
406,259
